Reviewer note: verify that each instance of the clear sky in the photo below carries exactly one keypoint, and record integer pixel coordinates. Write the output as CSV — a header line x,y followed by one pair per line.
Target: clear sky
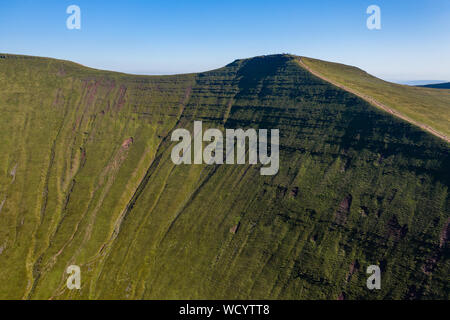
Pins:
x,y
162,37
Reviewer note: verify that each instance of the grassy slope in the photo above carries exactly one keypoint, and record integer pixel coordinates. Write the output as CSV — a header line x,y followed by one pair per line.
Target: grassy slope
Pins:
x,y
62,128
424,105
141,227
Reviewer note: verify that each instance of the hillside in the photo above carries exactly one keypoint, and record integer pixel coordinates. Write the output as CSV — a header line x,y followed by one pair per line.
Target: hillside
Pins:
x,y
427,108
445,85
86,178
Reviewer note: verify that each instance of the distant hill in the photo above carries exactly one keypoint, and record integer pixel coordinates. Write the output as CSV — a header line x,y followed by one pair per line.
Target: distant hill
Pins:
x,y
445,85
419,82
86,179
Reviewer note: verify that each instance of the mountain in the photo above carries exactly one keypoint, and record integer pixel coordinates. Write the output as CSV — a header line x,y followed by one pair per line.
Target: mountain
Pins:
x,y
86,179
445,85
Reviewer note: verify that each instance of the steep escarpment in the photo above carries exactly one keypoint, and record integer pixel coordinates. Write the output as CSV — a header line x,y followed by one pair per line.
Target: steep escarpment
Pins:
x,y
94,185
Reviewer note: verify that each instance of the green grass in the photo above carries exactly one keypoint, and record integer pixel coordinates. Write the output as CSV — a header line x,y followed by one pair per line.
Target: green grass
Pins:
x,y
425,105
142,228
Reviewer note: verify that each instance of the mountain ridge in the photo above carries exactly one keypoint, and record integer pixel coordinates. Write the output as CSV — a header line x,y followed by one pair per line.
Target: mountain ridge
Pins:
x,y
377,104
389,107
88,180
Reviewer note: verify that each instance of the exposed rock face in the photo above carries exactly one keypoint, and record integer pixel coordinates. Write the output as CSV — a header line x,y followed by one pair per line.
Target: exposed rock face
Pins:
x,y
438,253
235,228
294,192
364,211
13,173
395,230
127,143
354,268
445,234
2,204
343,210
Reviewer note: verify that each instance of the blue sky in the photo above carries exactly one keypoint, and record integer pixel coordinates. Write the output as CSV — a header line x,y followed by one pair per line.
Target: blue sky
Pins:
x,y
163,37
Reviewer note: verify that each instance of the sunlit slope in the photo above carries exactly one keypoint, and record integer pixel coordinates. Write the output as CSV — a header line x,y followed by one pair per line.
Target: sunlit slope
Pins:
x,y
425,106
94,185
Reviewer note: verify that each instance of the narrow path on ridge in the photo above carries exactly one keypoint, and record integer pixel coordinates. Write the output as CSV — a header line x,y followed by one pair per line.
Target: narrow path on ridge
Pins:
x,y
376,103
